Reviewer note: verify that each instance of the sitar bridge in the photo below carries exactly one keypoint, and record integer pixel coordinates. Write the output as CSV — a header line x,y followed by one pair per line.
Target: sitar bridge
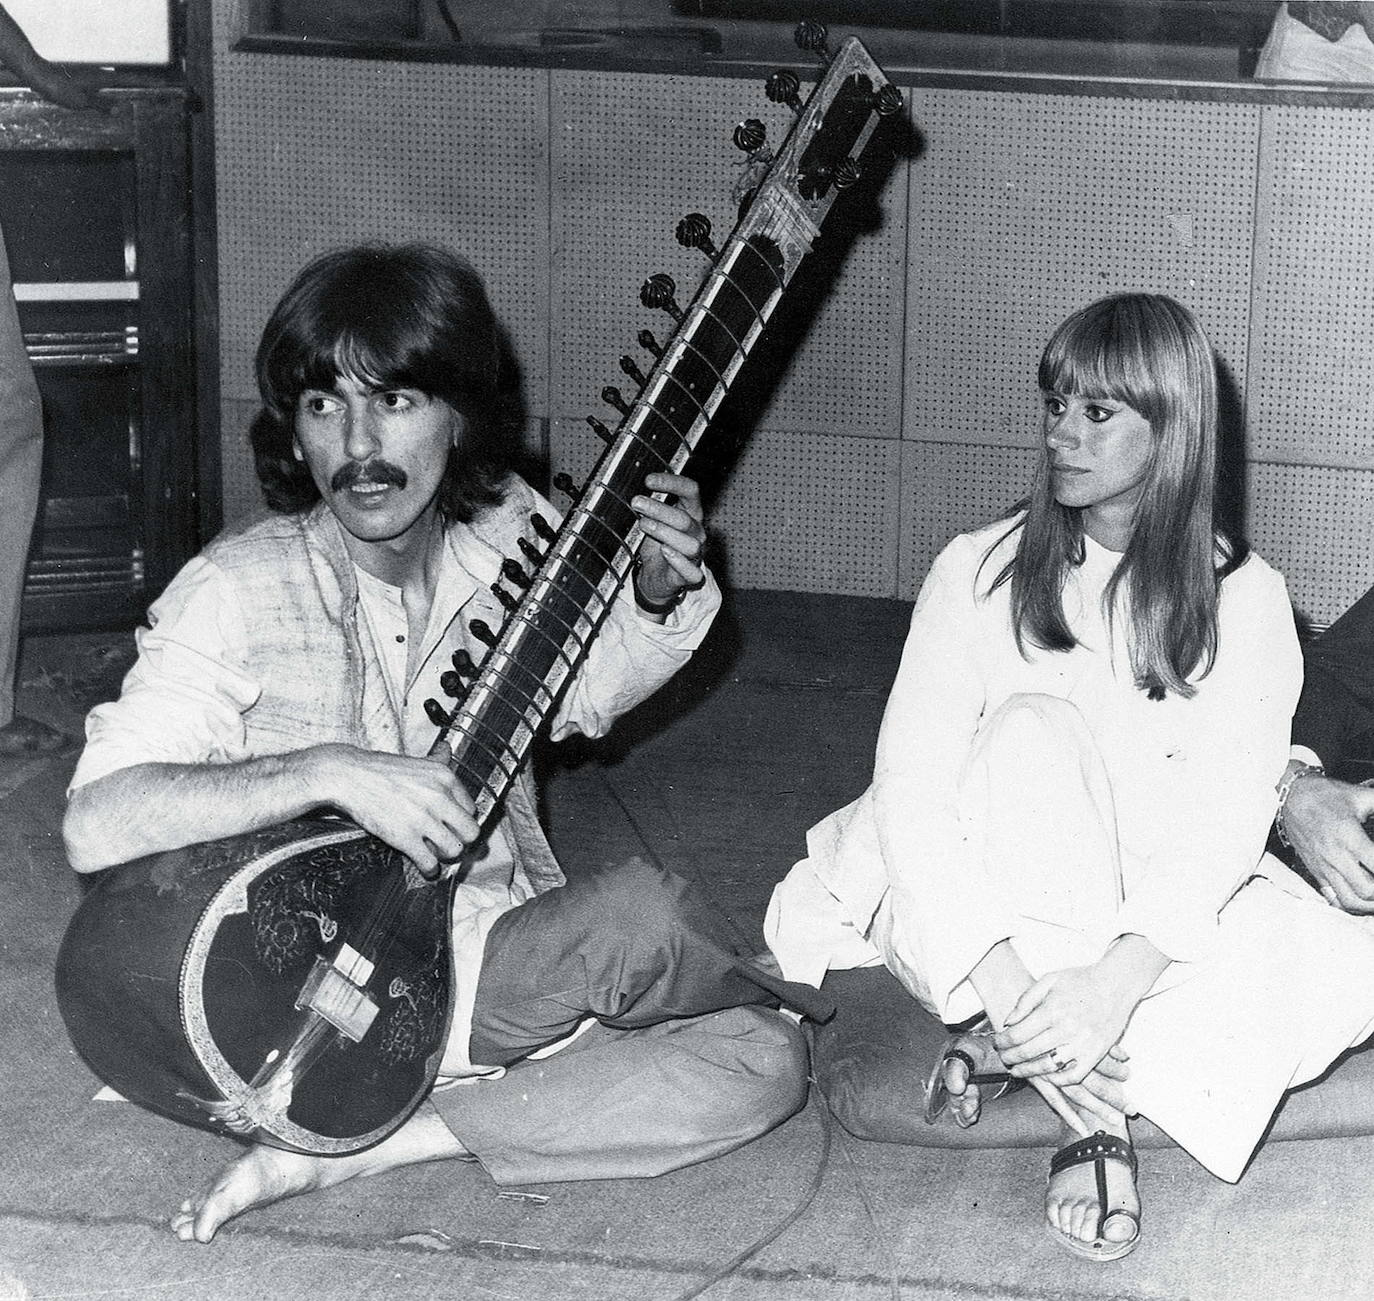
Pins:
x,y
331,990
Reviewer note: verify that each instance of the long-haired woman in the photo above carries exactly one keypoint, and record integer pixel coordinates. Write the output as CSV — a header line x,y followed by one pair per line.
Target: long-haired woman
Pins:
x,y
1061,848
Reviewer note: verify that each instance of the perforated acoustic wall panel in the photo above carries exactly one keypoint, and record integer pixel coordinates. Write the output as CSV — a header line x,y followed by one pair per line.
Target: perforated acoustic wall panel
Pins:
x,y
949,489
241,492
812,513
634,153
1312,386
1317,526
907,409
318,153
1024,207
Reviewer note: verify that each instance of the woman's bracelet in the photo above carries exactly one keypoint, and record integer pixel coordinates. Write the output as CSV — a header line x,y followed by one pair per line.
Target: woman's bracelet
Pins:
x,y
1285,790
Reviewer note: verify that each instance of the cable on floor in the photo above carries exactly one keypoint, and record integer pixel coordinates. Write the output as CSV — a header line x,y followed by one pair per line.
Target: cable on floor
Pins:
x,y
800,1209
815,1101
884,1247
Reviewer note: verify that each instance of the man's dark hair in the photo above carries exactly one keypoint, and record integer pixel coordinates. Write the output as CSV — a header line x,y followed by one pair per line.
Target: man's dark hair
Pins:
x,y
408,316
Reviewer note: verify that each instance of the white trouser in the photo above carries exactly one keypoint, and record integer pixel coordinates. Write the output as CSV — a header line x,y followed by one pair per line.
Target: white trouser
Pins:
x,y
1287,987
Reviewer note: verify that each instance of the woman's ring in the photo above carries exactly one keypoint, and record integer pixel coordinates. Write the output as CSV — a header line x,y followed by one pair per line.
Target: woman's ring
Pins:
x,y
1054,1059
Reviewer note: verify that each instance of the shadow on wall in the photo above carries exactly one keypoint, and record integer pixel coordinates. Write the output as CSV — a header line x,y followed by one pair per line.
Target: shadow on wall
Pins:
x,y
896,141
1231,468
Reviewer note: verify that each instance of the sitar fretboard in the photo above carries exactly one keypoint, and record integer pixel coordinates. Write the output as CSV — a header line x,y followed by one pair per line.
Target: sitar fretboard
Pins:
x,y
547,635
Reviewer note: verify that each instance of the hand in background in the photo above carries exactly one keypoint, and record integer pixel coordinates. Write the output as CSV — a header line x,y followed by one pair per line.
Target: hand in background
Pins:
x,y
78,90
1324,821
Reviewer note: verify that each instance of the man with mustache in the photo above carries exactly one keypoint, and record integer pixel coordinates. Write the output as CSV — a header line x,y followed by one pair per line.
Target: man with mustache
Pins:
x,y
285,670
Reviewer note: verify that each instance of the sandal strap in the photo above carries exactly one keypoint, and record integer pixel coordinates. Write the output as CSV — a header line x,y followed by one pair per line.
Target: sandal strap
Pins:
x,y
976,1076
1096,1147
1100,1148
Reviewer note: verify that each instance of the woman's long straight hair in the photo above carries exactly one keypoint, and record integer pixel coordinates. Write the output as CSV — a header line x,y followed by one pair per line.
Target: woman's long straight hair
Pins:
x,y
1149,352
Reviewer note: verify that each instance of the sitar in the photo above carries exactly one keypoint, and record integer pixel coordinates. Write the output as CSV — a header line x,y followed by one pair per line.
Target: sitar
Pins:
x,y
292,984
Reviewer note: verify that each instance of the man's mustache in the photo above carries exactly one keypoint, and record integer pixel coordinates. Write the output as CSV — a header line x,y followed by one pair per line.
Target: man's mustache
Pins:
x,y
352,473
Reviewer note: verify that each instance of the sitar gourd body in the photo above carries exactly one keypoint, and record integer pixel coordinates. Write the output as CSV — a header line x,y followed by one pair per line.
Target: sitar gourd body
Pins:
x,y
292,985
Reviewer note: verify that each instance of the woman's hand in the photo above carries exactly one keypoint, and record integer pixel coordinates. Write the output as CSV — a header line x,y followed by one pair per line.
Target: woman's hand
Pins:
x,y
674,539
1070,1022
1064,1025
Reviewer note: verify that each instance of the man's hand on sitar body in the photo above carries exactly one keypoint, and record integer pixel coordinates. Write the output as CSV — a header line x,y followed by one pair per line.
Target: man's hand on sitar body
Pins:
x,y
416,805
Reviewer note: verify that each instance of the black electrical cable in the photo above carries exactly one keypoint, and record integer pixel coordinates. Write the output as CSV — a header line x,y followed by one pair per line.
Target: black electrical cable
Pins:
x,y
894,1289
815,1101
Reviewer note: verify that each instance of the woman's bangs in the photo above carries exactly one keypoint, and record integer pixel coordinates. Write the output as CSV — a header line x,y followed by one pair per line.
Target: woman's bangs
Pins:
x,y
1088,371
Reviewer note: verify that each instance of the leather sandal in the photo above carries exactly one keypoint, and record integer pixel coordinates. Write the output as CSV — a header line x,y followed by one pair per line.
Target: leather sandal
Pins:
x,y
1098,1149
936,1095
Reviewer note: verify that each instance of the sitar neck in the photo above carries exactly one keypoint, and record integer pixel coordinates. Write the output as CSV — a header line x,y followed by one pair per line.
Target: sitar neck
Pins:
x,y
550,629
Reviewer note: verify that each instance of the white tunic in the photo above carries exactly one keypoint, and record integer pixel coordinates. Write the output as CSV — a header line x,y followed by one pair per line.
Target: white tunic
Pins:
x,y
907,875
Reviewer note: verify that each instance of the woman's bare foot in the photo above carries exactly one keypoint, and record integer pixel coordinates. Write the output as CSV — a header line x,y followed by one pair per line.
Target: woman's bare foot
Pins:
x,y
965,1095
264,1175
1072,1206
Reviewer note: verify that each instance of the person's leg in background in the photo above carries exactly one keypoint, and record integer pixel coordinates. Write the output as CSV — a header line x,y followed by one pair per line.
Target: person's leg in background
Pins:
x,y
21,464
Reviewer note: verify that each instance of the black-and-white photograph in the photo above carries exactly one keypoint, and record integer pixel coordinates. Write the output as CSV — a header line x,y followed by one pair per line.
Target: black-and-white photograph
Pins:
x,y
656,649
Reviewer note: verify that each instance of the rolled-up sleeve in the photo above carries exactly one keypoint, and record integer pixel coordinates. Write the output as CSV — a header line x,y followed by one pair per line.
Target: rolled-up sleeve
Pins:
x,y
632,657
184,699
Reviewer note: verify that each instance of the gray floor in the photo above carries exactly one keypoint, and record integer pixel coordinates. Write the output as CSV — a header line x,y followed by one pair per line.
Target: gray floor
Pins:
x,y
720,776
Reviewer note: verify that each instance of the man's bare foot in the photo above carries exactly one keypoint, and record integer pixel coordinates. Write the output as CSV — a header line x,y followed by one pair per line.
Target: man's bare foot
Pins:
x,y
963,1058
264,1175
1072,1207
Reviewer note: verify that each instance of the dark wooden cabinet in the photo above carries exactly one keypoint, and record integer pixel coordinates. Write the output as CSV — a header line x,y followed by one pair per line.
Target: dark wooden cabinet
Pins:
x,y
97,214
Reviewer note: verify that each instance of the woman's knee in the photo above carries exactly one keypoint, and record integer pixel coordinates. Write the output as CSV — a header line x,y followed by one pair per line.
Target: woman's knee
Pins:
x,y
1032,722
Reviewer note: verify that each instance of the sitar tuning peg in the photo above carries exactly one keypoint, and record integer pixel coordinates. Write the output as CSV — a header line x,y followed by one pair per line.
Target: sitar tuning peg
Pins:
x,y
627,364
847,173
451,683
613,397
542,526
694,231
887,101
531,553
750,136
649,343
601,431
482,632
782,87
811,36
438,715
462,663
658,291
506,599
563,482
511,570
